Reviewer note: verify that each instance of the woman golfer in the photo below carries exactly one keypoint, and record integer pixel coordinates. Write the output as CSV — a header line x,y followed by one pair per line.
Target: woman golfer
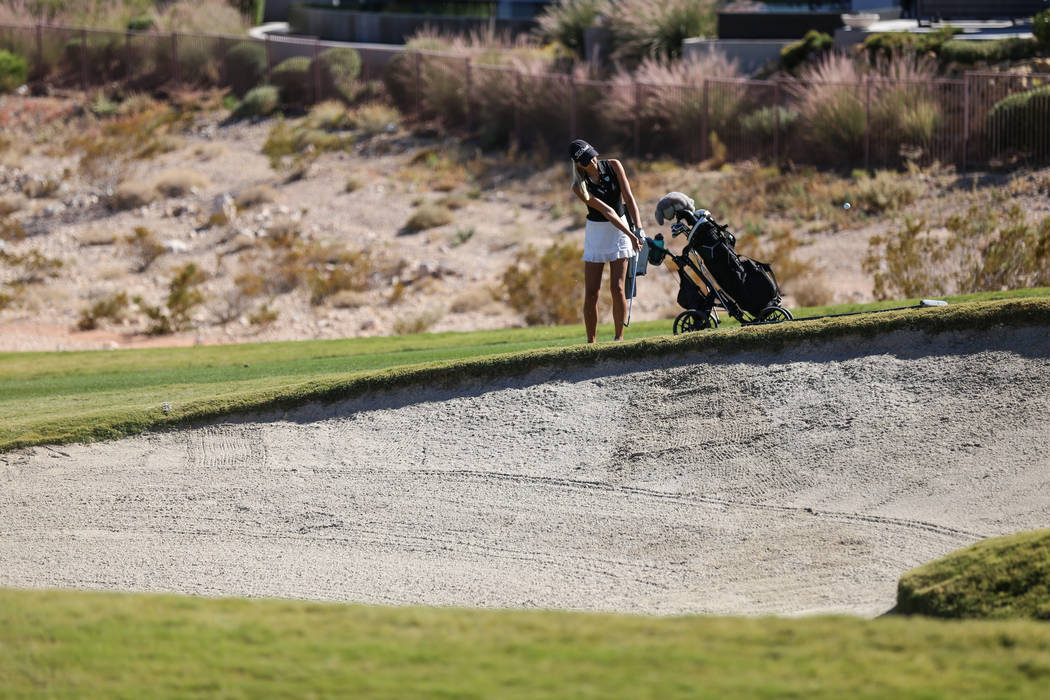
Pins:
x,y
603,187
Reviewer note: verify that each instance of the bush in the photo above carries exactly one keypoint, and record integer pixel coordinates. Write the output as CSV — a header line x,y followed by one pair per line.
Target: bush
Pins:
x,y
981,254
763,123
13,71
374,118
144,247
428,216
132,195
179,182
970,52
547,287
183,297
110,308
889,44
813,43
260,101
832,115
245,66
338,70
1021,121
292,79
141,23
1041,28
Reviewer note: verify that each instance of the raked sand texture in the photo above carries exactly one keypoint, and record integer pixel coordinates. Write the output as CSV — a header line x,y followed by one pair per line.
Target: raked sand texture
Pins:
x,y
799,481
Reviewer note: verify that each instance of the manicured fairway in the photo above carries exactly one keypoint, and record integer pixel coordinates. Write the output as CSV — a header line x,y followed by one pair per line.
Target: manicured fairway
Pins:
x,y
70,396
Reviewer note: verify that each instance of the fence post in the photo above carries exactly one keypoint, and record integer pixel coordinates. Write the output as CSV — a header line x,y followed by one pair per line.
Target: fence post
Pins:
x,y
517,107
470,93
175,58
127,55
867,123
703,125
317,71
83,59
966,120
39,72
419,100
224,71
269,60
572,107
637,119
776,123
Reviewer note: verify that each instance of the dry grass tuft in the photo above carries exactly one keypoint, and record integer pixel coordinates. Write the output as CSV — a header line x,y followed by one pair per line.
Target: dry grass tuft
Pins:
x,y
255,195
132,195
180,182
428,216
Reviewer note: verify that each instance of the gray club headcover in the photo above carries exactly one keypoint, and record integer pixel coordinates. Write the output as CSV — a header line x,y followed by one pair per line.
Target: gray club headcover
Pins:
x,y
672,203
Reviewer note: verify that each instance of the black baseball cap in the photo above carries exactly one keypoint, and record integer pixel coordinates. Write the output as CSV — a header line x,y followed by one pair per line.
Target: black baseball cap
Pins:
x,y
582,152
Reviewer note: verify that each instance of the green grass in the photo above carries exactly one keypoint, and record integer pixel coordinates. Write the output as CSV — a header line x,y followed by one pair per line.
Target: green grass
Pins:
x,y
1001,577
96,645
52,398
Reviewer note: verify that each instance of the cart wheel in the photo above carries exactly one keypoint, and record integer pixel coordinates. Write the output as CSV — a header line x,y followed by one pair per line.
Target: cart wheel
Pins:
x,y
775,313
692,320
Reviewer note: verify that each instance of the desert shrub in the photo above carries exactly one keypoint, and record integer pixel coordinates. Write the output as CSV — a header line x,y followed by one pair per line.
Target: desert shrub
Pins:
x,y
103,57
11,229
131,195
330,115
9,204
255,195
184,296
141,23
38,187
644,28
110,308
812,44
979,253
260,101
337,70
1021,121
546,287
144,247
292,79
245,66
107,146
419,322
764,122
31,267
565,21
428,216
13,71
291,146
1041,28
263,316
179,182
884,193
374,118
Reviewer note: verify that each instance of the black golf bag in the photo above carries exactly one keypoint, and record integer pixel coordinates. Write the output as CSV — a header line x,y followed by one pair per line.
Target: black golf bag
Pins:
x,y
750,283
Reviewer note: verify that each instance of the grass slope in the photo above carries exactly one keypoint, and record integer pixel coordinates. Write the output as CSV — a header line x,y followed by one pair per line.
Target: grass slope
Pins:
x,y
52,398
1001,577
85,645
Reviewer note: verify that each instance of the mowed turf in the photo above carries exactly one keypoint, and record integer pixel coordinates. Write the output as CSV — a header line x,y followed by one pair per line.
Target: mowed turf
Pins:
x,y
96,645
51,398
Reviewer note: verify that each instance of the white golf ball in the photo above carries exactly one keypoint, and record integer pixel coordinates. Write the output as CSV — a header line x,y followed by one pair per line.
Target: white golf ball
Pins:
x,y
846,205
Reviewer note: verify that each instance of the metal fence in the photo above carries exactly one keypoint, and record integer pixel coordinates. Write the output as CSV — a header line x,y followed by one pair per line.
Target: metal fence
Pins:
x,y
973,120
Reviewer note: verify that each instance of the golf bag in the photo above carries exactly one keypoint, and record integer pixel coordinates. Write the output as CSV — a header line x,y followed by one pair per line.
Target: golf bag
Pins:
x,y
750,283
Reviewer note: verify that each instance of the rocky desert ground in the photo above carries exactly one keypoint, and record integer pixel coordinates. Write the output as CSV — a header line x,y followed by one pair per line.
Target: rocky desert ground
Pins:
x,y
83,225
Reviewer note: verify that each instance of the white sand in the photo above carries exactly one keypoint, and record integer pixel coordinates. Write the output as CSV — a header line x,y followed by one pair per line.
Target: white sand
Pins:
x,y
797,482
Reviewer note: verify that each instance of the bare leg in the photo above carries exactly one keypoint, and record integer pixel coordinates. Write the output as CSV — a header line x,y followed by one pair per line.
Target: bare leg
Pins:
x,y
592,275
617,281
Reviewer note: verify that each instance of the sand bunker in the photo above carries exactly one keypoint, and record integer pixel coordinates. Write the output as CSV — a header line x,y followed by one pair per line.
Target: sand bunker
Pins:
x,y
796,482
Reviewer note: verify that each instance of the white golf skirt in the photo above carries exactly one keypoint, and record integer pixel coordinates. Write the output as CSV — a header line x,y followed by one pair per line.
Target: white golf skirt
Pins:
x,y
604,243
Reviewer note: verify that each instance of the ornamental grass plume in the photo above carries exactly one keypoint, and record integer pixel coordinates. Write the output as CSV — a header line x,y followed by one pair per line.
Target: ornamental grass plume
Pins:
x,y
830,98
565,21
656,28
905,107
667,95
